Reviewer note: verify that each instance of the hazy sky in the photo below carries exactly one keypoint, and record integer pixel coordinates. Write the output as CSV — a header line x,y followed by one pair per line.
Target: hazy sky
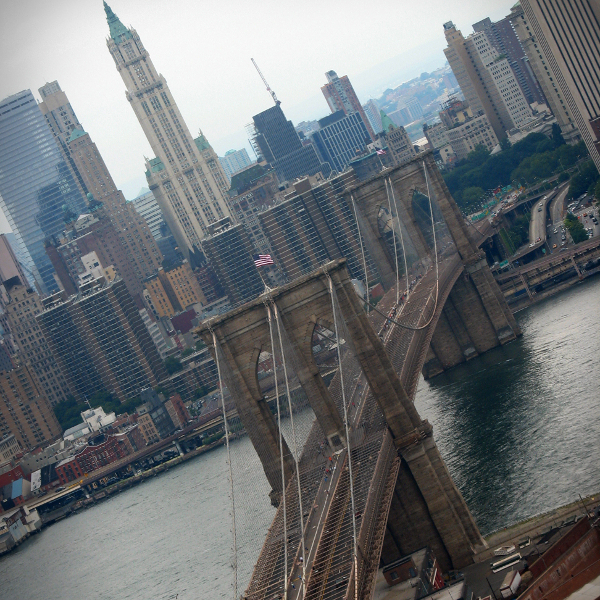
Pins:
x,y
203,48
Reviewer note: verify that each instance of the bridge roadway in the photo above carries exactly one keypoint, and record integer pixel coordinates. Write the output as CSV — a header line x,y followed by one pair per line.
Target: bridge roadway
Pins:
x,y
327,559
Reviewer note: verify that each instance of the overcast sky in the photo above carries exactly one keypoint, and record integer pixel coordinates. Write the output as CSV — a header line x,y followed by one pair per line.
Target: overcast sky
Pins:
x,y
203,48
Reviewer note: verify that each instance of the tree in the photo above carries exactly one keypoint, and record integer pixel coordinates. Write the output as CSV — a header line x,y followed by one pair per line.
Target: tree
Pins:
x,y
173,365
583,181
187,352
597,191
505,143
557,136
576,229
471,197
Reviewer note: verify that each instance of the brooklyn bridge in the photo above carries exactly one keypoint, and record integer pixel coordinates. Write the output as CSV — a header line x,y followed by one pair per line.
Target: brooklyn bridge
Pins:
x,y
366,483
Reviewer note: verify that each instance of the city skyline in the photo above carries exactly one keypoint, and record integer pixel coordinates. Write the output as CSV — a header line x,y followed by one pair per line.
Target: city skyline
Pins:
x,y
69,46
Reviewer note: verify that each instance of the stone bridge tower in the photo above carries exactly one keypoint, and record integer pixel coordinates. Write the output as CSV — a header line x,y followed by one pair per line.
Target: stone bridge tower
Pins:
x,y
476,316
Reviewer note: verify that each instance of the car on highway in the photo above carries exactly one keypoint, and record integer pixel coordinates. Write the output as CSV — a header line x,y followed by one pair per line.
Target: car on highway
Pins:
x,y
563,243
555,230
532,244
554,246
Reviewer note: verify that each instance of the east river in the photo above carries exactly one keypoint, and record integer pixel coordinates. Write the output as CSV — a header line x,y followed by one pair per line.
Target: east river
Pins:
x,y
518,427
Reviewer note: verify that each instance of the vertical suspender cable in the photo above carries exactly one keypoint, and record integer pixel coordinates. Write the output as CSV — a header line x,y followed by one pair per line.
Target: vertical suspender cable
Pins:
x,y
401,239
362,249
287,389
233,529
348,448
395,248
283,486
437,267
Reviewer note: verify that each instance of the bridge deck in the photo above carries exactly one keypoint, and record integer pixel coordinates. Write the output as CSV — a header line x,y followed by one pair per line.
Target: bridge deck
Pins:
x,y
327,503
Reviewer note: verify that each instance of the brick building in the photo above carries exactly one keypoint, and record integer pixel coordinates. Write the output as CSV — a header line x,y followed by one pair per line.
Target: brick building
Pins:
x,y
101,451
177,411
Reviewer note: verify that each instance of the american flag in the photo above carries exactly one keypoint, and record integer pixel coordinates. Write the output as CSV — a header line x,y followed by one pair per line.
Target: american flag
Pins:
x,y
381,151
260,260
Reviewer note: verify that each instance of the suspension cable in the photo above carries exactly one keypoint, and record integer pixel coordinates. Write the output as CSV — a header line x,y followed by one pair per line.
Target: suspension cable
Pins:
x,y
287,388
233,529
437,271
401,241
341,371
283,486
394,237
362,249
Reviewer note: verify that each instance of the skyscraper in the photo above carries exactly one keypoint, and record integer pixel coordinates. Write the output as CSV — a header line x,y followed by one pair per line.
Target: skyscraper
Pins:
x,y
502,36
186,177
340,95
540,65
486,80
372,112
24,409
569,35
100,341
277,142
234,161
21,310
340,139
37,187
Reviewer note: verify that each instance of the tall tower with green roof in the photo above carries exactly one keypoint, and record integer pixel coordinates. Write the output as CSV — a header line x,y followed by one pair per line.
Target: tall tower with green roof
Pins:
x,y
186,177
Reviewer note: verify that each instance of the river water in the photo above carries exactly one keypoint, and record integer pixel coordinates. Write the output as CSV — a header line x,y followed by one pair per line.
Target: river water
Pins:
x,y
519,428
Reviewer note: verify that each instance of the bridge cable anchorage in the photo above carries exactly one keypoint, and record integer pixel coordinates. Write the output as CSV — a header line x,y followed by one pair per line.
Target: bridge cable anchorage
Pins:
x,y
401,242
394,237
283,486
296,454
362,250
348,449
233,528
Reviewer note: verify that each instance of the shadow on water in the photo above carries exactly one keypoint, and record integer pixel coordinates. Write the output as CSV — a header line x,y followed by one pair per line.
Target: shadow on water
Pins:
x,y
518,426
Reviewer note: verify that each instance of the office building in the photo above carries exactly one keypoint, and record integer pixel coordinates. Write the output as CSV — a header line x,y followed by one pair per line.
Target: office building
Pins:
x,y
134,233
100,341
486,80
234,161
503,38
256,189
538,62
185,176
340,138
91,171
372,111
276,141
9,263
25,411
568,33
436,134
399,145
340,95
229,252
37,186
313,225
474,132
21,309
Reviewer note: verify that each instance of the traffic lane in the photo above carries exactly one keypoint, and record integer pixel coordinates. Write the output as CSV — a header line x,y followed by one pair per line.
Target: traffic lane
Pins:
x,y
557,205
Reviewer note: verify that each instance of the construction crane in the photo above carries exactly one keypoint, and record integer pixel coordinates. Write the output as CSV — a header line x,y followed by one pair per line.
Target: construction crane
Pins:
x,y
273,95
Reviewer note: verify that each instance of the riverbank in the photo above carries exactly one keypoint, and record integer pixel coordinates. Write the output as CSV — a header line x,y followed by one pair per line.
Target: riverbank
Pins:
x,y
537,525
